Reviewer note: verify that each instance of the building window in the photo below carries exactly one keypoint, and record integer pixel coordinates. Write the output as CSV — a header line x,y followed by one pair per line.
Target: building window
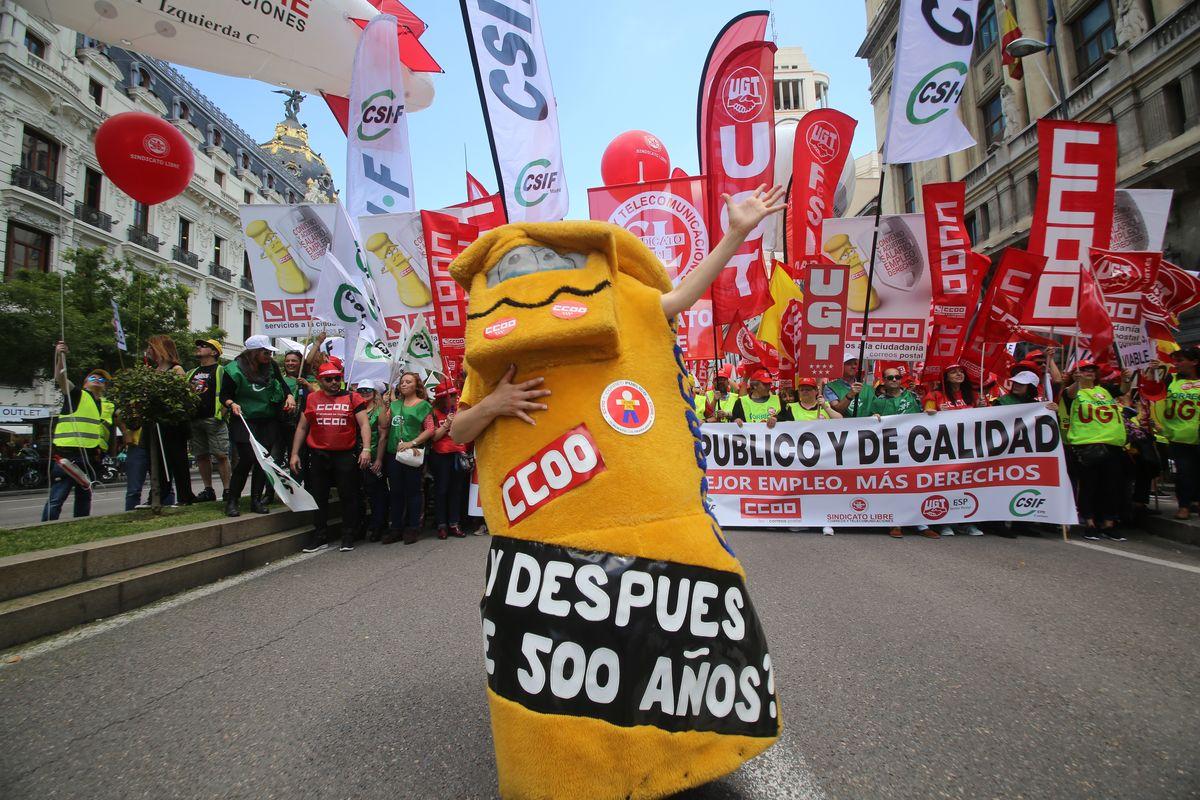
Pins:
x,y
1031,184
1174,110
96,91
993,120
988,30
217,138
141,217
972,227
91,188
219,178
35,44
789,95
39,153
247,197
245,161
909,187
185,111
28,248
218,246
270,181
984,222
214,310
246,264
247,324
1094,36
185,235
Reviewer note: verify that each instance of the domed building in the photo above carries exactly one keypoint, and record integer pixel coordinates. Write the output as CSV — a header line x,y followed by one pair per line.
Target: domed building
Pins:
x,y
290,149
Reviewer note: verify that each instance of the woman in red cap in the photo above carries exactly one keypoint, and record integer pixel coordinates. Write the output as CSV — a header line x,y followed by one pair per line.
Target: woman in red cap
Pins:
x,y
956,394
333,422
447,464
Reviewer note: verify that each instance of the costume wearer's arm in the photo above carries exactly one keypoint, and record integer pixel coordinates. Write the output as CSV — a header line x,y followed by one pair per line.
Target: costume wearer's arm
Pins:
x,y
508,399
743,218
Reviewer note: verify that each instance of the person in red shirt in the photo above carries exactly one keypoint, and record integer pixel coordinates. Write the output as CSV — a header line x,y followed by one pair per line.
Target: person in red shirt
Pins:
x,y
446,463
333,423
955,393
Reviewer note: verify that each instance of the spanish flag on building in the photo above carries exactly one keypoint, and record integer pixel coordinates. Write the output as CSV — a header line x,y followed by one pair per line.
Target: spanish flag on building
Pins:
x,y
1010,31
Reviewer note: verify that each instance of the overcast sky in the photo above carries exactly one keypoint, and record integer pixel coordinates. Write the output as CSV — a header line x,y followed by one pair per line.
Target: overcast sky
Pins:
x,y
616,65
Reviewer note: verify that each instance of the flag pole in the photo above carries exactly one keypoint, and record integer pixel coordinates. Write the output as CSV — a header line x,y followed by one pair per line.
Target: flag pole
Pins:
x,y
862,347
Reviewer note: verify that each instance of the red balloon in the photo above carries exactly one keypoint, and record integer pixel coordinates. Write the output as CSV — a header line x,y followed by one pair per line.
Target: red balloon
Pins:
x,y
145,156
634,157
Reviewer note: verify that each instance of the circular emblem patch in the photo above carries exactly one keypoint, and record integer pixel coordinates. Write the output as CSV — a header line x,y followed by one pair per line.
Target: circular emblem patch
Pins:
x,y
627,407
156,145
568,310
500,328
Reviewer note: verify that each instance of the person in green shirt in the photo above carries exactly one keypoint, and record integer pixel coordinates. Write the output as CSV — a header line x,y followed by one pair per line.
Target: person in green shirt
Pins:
x,y
760,405
1096,439
406,424
892,400
1178,416
845,394
374,476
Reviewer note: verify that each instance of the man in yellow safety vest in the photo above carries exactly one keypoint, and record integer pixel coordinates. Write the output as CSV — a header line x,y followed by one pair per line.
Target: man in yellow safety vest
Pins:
x,y
82,433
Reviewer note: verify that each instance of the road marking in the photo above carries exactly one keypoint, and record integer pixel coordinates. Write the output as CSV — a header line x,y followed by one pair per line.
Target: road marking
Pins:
x,y
1137,557
112,623
780,773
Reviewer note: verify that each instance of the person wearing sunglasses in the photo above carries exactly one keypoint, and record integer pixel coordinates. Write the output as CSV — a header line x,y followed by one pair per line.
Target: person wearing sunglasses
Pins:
x,y
81,435
894,399
810,406
334,421
374,477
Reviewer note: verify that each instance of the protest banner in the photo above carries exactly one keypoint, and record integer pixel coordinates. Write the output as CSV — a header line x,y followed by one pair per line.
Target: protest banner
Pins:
x,y
820,335
445,239
1140,219
956,273
738,156
1124,280
899,300
286,246
992,464
1077,168
394,247
819,153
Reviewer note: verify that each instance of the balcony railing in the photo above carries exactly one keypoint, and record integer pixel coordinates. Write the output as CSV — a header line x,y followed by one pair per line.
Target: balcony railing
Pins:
x,y
217,271
184,257
37,183
247,283
93,216
143,239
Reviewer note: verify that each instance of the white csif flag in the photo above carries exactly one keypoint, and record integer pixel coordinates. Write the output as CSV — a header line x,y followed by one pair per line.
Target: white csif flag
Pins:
x,y
513,75
286,487
379,168
933,54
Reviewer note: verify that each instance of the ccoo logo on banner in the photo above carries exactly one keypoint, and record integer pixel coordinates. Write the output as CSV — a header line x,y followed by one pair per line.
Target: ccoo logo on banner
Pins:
x,y
933,51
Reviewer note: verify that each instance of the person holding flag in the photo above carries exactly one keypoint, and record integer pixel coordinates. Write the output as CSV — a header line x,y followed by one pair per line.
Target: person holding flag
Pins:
x,y
79,438
844,394
760,405
722,398
1096,435
332,423
810,407
1176,413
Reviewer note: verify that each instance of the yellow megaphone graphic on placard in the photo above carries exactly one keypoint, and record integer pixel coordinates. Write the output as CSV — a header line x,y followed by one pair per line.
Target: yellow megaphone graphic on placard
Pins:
x,y
842,251
288,274
412,290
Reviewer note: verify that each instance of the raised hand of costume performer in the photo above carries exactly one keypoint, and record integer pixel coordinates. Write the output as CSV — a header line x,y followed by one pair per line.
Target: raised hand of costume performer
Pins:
x,y
742,218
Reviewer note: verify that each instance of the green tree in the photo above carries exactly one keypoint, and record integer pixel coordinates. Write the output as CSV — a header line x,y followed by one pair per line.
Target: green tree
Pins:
x,y
36,308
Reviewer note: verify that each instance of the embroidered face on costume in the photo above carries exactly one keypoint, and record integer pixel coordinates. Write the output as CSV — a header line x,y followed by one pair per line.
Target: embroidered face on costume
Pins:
x,y
528,259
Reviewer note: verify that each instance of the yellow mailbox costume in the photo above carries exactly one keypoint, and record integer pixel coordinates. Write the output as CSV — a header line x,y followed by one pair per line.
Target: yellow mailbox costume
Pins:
x,y
624,657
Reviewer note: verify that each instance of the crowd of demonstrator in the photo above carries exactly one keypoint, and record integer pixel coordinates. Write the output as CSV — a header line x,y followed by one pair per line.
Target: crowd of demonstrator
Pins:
x,y
1122,435
383,445
380,445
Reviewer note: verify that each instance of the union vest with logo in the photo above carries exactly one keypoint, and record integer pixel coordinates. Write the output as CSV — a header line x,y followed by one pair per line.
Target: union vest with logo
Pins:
x,y
802,414
85,428
1177,412
1095,418
756,411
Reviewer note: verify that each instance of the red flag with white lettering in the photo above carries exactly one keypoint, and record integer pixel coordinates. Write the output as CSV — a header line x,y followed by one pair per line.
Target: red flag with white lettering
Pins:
x,y
1124,279
1174,291
819,154
738,155
821,350
956,273
1077,180
485,213
445,239
1010,290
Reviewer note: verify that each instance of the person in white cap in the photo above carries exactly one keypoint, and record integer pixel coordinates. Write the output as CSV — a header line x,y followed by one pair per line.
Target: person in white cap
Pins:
x,y
255,393
375,476
1023,388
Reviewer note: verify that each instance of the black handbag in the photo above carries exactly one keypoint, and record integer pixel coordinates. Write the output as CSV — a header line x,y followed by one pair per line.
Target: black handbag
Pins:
x,y
465,463
1091,455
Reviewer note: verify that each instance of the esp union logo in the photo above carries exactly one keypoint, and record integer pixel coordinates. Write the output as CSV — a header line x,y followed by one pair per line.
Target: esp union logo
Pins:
x,y
935,507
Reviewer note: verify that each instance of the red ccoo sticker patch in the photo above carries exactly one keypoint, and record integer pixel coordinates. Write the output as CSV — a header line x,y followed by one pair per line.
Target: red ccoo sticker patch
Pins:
x,y
568,310
500,328
567,463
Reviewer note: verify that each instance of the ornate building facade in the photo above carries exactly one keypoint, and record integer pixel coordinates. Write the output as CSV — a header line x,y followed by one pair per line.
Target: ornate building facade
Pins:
x,y
58,87
1135,63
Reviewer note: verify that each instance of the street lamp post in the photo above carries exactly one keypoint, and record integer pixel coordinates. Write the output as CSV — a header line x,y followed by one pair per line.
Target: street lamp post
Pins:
x,y
1026,46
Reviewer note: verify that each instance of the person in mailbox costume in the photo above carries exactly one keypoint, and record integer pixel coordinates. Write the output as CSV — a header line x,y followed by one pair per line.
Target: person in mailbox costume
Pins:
x,y
623,655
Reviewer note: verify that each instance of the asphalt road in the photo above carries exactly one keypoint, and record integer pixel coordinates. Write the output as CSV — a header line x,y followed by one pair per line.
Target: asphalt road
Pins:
x,y
914,668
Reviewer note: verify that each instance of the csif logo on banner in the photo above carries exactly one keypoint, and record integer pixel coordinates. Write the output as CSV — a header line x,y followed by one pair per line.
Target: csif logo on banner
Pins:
x,y
939,91
380,109
535,182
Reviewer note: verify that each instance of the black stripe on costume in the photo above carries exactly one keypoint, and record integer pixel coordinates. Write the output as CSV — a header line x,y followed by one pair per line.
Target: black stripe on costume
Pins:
x,y
508,301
